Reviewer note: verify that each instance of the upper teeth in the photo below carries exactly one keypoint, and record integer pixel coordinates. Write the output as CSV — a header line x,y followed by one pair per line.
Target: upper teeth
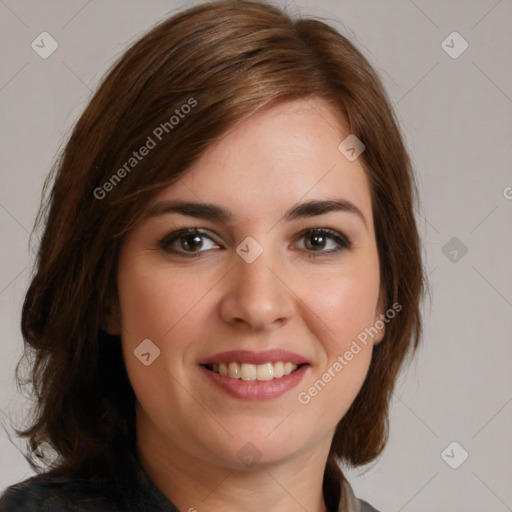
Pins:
x,y
246,371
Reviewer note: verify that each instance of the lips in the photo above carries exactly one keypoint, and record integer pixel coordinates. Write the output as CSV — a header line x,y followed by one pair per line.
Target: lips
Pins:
x,y
255,375
255,358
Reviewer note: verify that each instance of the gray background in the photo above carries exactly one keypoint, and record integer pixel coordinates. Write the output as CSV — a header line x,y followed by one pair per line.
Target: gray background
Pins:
x,y
456,115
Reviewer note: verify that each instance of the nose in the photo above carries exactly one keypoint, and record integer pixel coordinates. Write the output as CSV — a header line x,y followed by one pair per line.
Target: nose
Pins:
x,y
258,296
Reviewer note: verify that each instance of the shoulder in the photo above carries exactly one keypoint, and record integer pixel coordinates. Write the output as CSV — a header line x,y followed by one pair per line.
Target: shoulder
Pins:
x,y
44,493
129,490
350,503
366,507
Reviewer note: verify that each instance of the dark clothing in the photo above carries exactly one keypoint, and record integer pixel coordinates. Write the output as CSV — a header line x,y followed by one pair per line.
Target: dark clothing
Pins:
x,y
133,491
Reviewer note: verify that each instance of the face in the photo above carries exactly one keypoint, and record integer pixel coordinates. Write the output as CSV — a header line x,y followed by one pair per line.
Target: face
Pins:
x,y
278,274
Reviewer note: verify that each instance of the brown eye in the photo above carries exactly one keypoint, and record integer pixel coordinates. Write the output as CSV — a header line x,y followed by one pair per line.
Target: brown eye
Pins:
x,y
191,242
315,241
187,242
324,241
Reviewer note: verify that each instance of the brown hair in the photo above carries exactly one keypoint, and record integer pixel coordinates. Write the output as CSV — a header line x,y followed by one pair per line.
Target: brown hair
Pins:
x,y
225,60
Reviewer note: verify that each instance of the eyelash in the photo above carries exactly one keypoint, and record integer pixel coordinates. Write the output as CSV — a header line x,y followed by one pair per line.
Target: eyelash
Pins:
x,y
341,240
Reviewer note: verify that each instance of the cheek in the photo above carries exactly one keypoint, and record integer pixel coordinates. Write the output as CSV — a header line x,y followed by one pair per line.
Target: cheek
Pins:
x,y
167,307
156,304
344,311
343,366
345,305
348,310
168,316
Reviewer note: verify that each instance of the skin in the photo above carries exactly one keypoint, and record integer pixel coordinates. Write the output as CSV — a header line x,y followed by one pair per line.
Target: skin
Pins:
x,y
294,296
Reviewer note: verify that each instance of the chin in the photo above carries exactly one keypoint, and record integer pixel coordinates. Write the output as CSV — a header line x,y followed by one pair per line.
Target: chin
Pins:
x,y
266,448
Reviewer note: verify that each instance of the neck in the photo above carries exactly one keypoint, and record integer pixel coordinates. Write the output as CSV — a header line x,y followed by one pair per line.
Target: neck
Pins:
x,y
196,484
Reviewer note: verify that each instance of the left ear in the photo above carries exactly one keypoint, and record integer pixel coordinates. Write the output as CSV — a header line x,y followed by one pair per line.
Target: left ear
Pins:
x,y
379,322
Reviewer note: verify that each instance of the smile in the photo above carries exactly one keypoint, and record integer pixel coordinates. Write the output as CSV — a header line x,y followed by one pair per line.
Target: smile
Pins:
x,y
254,374
248,372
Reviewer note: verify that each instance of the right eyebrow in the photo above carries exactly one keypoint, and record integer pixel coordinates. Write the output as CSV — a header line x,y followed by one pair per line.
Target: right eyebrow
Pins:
x,y
191,209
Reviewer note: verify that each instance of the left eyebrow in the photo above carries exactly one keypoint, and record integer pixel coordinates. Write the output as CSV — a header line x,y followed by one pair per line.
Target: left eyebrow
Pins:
x,y
313,208
214,212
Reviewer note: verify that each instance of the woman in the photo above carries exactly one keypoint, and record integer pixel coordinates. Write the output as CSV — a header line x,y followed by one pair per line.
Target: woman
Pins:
x,y
229,279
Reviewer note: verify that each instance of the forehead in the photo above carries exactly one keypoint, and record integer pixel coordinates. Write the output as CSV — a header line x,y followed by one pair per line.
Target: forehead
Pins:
x,y
277,157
